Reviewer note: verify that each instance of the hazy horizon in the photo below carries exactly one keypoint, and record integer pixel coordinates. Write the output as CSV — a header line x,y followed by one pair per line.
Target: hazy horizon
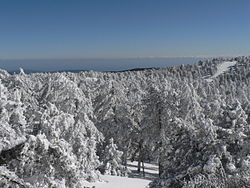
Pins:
x,y
95,64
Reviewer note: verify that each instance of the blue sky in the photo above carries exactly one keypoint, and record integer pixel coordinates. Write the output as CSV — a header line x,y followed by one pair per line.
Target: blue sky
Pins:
x,y
75,29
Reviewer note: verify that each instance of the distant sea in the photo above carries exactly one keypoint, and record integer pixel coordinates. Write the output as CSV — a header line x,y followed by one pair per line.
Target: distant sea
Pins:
x,y
76,65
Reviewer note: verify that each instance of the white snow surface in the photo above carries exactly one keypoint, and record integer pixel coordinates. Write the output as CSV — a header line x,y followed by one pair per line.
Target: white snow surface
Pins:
x,y
221,68
137,181
119,182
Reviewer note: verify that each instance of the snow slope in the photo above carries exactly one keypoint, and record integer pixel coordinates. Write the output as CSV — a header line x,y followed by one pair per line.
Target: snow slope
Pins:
x,y
137,181
119,182
221,68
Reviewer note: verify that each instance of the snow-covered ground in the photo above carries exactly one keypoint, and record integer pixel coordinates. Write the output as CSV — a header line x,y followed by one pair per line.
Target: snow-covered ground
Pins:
x,y
221,68
135,180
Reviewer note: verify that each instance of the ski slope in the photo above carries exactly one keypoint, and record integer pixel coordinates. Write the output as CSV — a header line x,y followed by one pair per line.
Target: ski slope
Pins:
x,y
221,68
135,180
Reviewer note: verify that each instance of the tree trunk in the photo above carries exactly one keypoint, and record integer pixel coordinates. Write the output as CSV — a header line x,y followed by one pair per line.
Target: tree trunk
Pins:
x,y
140,156
139,165
143,168
125,154
160,168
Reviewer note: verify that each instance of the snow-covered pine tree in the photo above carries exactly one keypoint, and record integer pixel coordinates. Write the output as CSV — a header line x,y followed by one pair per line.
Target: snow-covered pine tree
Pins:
x,y
111,159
